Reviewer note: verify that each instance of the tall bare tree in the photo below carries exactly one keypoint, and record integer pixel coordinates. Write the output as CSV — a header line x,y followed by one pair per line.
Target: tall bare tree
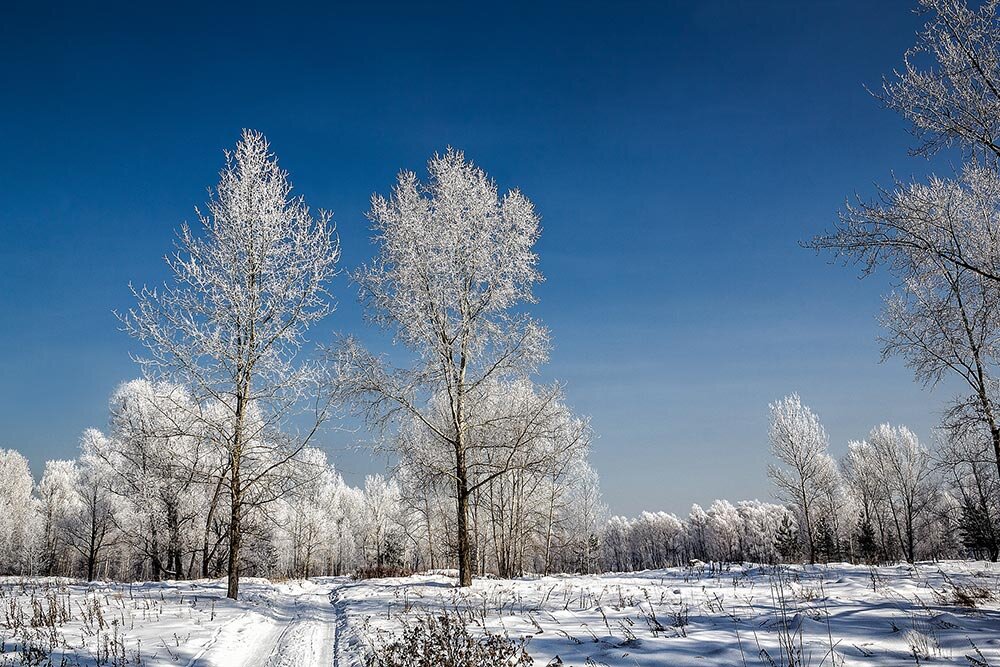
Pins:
x,y
454,265
232,322
904,469
941,239
806,472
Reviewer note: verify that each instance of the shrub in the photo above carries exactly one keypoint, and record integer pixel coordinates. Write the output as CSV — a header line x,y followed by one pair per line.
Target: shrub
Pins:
x,y
444,641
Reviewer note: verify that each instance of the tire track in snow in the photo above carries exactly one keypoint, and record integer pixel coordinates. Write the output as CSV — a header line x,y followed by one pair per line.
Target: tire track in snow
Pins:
x,y
301,633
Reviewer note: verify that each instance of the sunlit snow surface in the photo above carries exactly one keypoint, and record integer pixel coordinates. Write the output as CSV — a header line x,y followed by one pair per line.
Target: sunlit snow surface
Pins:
x,y
944,613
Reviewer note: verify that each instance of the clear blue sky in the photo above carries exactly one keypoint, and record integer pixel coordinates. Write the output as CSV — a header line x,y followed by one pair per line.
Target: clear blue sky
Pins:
x,y
676,151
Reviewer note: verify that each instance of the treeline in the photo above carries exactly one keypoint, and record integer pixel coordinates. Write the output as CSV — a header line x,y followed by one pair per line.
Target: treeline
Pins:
x,y
890,498
147,501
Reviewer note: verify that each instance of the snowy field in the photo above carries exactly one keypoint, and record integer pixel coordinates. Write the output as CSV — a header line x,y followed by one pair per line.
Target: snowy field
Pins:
x,y
170,623
942,613
946,613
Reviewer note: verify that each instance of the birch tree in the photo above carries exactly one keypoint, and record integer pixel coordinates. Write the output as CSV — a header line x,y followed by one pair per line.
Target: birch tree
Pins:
x,y
232,322
16,507
92,530
903,467
454,266
58,493
799,442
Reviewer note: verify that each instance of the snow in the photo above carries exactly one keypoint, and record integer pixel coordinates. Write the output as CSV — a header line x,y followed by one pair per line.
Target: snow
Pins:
x,y
681,616
699,616
189,623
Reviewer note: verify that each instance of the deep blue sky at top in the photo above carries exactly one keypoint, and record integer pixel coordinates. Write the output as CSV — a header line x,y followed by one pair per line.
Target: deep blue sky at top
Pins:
x,y
677,152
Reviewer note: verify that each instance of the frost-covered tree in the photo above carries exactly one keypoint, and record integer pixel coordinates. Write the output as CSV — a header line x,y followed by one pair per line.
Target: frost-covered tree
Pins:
x,y
949,86
894,481
310,535
615,556
904,468
59,498
231,324
157,459
939,238
949,89
761,527
655,540
17,507
92,530
861,474
454,266
803,478
381,523
723,530
587,515
429,503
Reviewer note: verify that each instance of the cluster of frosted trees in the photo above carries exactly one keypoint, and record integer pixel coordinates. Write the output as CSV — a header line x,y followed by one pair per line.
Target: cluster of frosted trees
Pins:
x,y
889,498
209,465
147,500
747,531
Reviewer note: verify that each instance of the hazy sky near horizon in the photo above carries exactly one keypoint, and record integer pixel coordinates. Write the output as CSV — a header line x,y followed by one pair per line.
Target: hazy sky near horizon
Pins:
x,y
677,153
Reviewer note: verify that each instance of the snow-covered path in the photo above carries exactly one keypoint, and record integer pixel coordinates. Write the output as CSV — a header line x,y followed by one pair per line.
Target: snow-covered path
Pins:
x,y
294,624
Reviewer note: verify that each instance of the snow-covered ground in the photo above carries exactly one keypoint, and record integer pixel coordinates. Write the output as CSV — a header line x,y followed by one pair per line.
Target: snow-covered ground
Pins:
x,y
740,615
169,623
947,613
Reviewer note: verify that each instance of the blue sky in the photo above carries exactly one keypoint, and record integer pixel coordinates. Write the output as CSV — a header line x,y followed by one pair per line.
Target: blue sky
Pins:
x,y
677,152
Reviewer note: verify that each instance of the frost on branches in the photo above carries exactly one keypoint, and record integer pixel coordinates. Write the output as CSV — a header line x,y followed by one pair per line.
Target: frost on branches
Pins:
x,y
231,324
454,264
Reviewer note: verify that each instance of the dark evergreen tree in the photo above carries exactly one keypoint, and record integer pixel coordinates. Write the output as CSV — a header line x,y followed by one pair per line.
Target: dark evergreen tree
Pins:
x,y
867,540
978,533
827,546
787,540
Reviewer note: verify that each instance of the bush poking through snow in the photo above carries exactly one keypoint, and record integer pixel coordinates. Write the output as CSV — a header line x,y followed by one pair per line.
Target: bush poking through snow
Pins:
x,y
963,594
444,641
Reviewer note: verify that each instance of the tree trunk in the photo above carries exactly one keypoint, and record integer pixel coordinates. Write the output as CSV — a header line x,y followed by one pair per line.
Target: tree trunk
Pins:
x,y
430,531
236,496
235,534
809,527
175,568
93,546
910,541
995,432
206,554
154,549
464,547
